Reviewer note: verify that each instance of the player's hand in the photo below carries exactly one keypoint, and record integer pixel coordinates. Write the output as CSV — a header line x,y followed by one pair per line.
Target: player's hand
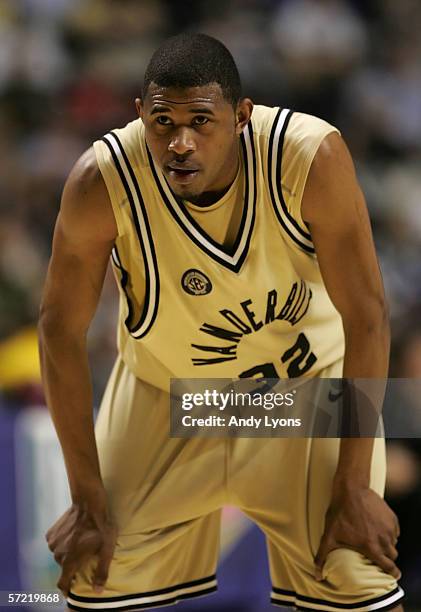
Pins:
x,y
359,519
77,536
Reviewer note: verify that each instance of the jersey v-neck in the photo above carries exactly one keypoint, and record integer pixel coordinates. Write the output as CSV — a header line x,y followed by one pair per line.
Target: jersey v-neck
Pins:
x,y
221,220
231,256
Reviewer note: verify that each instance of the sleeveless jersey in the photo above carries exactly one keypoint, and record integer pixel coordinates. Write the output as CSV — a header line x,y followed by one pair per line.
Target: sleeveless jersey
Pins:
x,y
230,290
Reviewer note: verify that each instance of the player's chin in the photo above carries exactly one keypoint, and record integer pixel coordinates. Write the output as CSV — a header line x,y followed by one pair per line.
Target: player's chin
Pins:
x,y
187,190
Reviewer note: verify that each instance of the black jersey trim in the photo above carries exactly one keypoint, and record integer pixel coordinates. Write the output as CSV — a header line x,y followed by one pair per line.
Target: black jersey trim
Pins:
x,y
250,135
234,257
140,219
161,597
137,330
124,277
389,606
300,601
136,224
287,221
281,603
158,604
278,185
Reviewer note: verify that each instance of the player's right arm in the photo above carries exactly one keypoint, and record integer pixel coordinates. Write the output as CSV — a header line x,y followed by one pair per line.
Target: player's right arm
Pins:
x,y
83,238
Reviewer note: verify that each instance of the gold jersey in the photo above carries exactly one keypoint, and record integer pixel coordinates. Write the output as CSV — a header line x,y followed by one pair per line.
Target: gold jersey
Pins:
x,y
230,290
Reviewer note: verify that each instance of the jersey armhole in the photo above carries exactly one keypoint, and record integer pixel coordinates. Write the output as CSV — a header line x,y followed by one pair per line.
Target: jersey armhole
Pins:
x,y
294,180
292,230
111,180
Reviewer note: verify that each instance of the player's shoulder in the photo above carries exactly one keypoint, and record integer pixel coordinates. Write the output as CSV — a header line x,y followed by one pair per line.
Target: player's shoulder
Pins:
x,y
129,139
85,178
304,138
85,204
302,127
262,119
295,126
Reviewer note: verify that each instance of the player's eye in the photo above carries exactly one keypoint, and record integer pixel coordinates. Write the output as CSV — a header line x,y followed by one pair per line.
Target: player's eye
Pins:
x,y
200,120
163,120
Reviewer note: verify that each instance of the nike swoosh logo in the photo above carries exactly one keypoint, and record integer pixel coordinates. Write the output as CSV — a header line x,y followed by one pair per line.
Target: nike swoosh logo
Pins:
x,y
335,396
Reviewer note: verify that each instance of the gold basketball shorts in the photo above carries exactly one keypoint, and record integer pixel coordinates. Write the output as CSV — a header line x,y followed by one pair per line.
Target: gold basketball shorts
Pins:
x,y
166,496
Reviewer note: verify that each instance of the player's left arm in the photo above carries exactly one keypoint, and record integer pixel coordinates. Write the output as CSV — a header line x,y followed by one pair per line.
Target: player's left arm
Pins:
x,y
334,208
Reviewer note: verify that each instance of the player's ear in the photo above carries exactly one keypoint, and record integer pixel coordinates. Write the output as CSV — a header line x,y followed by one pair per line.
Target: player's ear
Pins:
x,y
243,114
139,107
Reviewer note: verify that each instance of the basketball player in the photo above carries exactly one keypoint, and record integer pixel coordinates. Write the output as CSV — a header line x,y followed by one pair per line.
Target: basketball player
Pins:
x,y
242,247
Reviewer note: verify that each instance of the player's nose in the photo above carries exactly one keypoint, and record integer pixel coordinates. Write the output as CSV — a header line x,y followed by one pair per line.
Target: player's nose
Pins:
x,y
182,142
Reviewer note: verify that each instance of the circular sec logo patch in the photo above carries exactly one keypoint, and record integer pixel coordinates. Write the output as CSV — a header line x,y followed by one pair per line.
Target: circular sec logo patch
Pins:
x,y
195,282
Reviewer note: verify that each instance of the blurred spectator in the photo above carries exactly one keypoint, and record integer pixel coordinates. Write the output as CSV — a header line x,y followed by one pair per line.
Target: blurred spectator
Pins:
x,y
244,27
383,100
318,42
318,37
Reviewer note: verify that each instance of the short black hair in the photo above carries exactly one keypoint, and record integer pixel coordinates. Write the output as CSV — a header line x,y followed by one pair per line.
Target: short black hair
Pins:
x,y
194,60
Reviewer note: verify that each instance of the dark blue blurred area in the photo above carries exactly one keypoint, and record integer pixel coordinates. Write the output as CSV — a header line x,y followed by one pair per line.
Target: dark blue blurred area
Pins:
x,y
243,580
9,575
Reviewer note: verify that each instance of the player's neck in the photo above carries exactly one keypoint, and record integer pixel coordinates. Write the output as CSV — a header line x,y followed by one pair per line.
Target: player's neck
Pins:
x,y
207,198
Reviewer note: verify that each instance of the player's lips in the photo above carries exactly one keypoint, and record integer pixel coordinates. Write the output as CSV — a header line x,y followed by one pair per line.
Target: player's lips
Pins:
x,y
182,173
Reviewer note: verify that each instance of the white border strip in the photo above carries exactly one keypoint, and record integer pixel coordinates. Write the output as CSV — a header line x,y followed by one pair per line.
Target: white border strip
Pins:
x,y
251,195
145,239
115,258
296,601
151,599
276,181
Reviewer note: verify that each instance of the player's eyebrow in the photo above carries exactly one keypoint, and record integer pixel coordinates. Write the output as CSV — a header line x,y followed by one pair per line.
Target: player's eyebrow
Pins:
x,y
160,108
201,111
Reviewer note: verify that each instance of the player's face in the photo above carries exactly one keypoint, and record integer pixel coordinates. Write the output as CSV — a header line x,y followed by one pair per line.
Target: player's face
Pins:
x,y
193,135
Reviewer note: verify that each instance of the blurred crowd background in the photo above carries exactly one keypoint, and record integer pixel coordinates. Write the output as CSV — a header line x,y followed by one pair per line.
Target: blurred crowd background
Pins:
x,y
69,72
